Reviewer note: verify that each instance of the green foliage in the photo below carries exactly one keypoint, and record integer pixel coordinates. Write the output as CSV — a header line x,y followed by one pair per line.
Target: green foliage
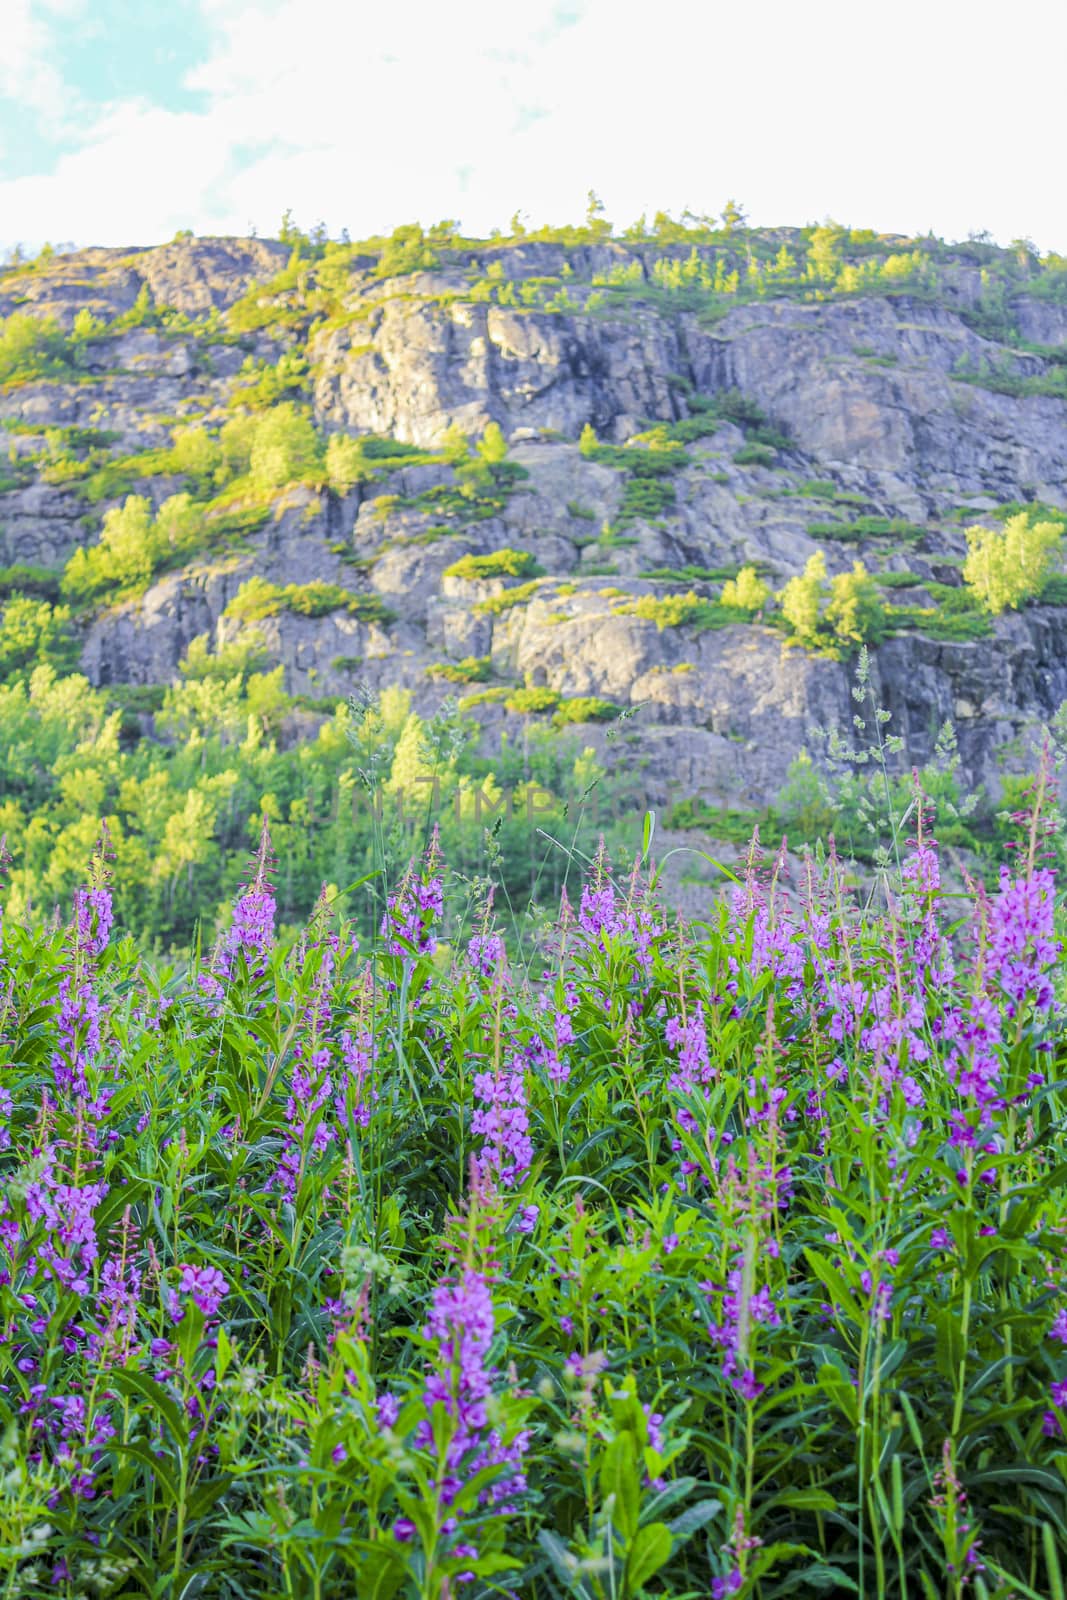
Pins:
x,y
754,455
142,314
346,463
1054,592
584,708
495,604
472,669
505,563
644,499
746,592
237,658
531,700
801,600
134,545
898,580
31,348
867,528
285,448
493,447
692,574
955,615
42,582
844,613
1007,566
683,610
407,250
257,599
855,612
34,633
261,384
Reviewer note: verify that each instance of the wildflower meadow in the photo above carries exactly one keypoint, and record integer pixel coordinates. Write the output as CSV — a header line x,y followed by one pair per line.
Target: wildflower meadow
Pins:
x,y
708,1259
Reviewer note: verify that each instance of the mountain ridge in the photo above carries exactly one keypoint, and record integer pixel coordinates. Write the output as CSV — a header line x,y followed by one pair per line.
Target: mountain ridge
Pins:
x,y
627,424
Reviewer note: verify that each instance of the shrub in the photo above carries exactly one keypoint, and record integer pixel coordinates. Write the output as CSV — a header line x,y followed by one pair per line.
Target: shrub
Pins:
x,y
492,446
345,464
867,528
406,250
691,574
1054,592
754,455
683,610
855,612
645,499
284,447
31,348
529,701
746,592
35,633
584,708
506,563
472,669
1007,566
258,599
898,580
41,582
802,598
495,604
133,546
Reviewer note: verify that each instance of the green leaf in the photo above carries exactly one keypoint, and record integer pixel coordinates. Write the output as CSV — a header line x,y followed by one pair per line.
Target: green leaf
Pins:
x,y
564,1564
806,1500
618,1478
692,1519
650,1550
140,1386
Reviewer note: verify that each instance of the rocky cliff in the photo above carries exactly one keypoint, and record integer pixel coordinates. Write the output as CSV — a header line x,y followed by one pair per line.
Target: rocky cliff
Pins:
x,y
872,417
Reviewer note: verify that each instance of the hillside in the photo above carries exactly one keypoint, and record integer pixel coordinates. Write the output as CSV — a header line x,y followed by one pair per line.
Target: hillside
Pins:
x,y
521,472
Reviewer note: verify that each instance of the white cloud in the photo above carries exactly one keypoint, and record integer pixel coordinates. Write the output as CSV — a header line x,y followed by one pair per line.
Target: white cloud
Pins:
x,y
27,76
366,116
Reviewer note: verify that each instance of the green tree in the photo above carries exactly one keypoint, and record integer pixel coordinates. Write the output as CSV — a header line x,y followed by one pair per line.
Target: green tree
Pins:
x,y
1007,566
747,591
455,446
803,804
285,447
33,632
492,446
123,558
407,250
855,611
345,466
30,347
595,220
733,217
802,599
823,259
195,454
587,441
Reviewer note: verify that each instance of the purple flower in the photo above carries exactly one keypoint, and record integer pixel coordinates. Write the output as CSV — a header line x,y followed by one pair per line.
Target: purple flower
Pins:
x,y
690,1038
206,1285
93,917
485,953
461,1325
503,1123
1021,946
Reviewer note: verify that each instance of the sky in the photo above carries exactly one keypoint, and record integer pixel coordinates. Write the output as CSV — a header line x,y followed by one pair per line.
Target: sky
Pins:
x,y
123,121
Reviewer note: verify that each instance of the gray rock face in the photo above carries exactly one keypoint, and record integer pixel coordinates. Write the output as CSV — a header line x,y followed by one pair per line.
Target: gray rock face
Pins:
x,y
871,391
